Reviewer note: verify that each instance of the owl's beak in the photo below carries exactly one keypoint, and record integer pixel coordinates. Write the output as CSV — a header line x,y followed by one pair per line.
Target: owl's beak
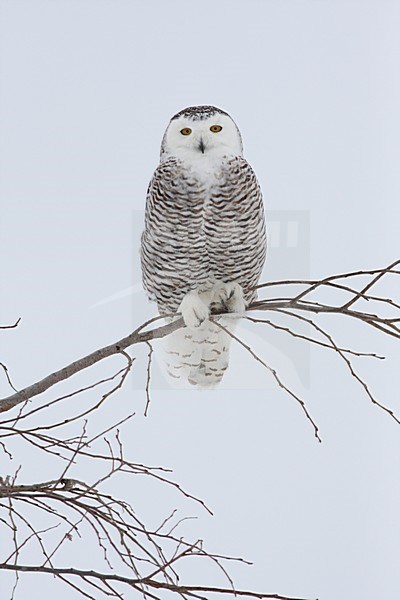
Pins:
x,y
201,146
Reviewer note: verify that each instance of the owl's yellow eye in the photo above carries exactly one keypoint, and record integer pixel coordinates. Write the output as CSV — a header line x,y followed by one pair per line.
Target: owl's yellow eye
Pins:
x,y
186,131
215,128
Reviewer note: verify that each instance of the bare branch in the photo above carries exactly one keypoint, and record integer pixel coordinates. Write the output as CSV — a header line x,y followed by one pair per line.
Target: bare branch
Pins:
x,y
146,581
137,337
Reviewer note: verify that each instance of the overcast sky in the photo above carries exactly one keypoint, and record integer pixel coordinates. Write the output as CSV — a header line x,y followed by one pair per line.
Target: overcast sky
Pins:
x,y
87,89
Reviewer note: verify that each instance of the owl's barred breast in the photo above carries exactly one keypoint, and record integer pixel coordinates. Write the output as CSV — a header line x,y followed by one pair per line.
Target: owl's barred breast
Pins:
x,y
202,225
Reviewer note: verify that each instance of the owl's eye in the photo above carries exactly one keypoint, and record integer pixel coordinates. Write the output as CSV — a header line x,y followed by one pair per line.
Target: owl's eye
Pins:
x,y
186,131
215,128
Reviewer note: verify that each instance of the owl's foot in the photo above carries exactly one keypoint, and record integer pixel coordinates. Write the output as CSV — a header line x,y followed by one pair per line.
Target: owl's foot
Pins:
x,y
227,298
193,310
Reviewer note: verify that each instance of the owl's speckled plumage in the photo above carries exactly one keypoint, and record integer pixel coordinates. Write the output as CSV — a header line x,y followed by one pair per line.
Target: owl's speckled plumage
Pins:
x,y
204,221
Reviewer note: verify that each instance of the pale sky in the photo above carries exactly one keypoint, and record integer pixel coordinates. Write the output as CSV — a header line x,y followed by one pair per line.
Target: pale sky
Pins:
x,y
87,89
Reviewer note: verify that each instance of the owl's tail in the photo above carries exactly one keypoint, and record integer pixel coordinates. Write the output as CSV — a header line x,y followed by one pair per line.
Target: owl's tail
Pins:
x,y
200,357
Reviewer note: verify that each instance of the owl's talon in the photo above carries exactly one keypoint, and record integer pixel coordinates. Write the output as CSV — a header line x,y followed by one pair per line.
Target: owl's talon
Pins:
x,y
228,297
193,310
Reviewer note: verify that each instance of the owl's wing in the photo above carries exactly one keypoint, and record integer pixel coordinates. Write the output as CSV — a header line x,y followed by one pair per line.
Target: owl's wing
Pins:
x,y
235,227
173,252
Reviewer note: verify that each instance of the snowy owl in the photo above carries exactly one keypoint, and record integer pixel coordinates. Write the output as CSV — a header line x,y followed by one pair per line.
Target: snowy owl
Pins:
x,y
204,242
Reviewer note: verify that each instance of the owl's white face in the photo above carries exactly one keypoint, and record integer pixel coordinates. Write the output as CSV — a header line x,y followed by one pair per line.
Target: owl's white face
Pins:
x,y
201,135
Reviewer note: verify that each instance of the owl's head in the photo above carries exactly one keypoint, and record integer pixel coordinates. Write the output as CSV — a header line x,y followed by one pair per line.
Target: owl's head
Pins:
x,y
200,132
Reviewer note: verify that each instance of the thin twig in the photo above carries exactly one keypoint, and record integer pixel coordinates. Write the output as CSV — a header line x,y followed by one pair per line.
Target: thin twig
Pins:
x,y
3,366
17,322
275,376
148,378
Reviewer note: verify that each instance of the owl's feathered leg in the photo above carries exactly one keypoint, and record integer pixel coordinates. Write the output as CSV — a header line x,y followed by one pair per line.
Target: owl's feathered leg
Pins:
x,y
183,349
200,357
